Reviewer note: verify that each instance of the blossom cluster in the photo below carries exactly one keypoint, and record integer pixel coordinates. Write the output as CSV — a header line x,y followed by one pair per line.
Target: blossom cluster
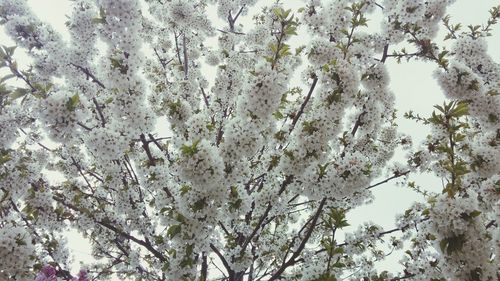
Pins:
x,y
257,170
49,273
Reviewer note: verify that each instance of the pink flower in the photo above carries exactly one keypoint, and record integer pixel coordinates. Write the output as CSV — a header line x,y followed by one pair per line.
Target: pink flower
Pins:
x,y
48,273
82,276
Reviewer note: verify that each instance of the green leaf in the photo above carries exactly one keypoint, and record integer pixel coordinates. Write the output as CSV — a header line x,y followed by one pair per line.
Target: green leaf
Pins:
x,y
159,239
275,159
338,265
452,244
174,230
273,47
326,277
322,170
291,30
299,50
7,77
18,93
289,154
269,59
190,150
461,109
440,108
287,13
185,189
338,217
98,20
278,115
199,205
4,158
73,102
42,89
443,244
278,12
309,128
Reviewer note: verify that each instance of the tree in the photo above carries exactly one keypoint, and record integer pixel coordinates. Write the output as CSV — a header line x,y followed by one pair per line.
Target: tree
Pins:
x,y
259,172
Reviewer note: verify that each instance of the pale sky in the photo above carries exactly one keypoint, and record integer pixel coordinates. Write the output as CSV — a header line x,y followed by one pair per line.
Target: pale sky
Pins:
x,y
412,84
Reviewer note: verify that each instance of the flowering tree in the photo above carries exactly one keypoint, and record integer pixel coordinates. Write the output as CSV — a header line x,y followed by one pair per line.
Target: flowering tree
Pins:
x,y
259,171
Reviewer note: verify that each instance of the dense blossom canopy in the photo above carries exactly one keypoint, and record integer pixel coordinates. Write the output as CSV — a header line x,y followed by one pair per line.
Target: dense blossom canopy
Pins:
x,y
259,168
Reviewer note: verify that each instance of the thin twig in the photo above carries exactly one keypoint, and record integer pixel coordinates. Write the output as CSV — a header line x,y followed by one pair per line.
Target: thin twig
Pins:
x,y
302,245
185,56
89,75
131,171
99,110
239,13
288,180
81,172
83,126
61,272
205,97
234,32
40,144
491,223
162,61
177,47
396,175
145,145
113,228
304,104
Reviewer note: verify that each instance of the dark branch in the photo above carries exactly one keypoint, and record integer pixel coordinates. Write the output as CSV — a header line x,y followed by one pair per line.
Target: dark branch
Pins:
x,y
79,168
205,97
358,123
99,111
384,54
145,145
304,104
89,75
302,245
113,228
396,175
221,257
185,56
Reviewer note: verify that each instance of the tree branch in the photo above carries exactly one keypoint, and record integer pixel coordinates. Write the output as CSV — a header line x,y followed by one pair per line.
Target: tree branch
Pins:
x,y
177,47
302,245
81,172
384,54
232,20
145,145
145,244
205,98
99,110
204,267
221,257
285,183
185,56
89,75
396,175
61,272
304,104
358,123
83,126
